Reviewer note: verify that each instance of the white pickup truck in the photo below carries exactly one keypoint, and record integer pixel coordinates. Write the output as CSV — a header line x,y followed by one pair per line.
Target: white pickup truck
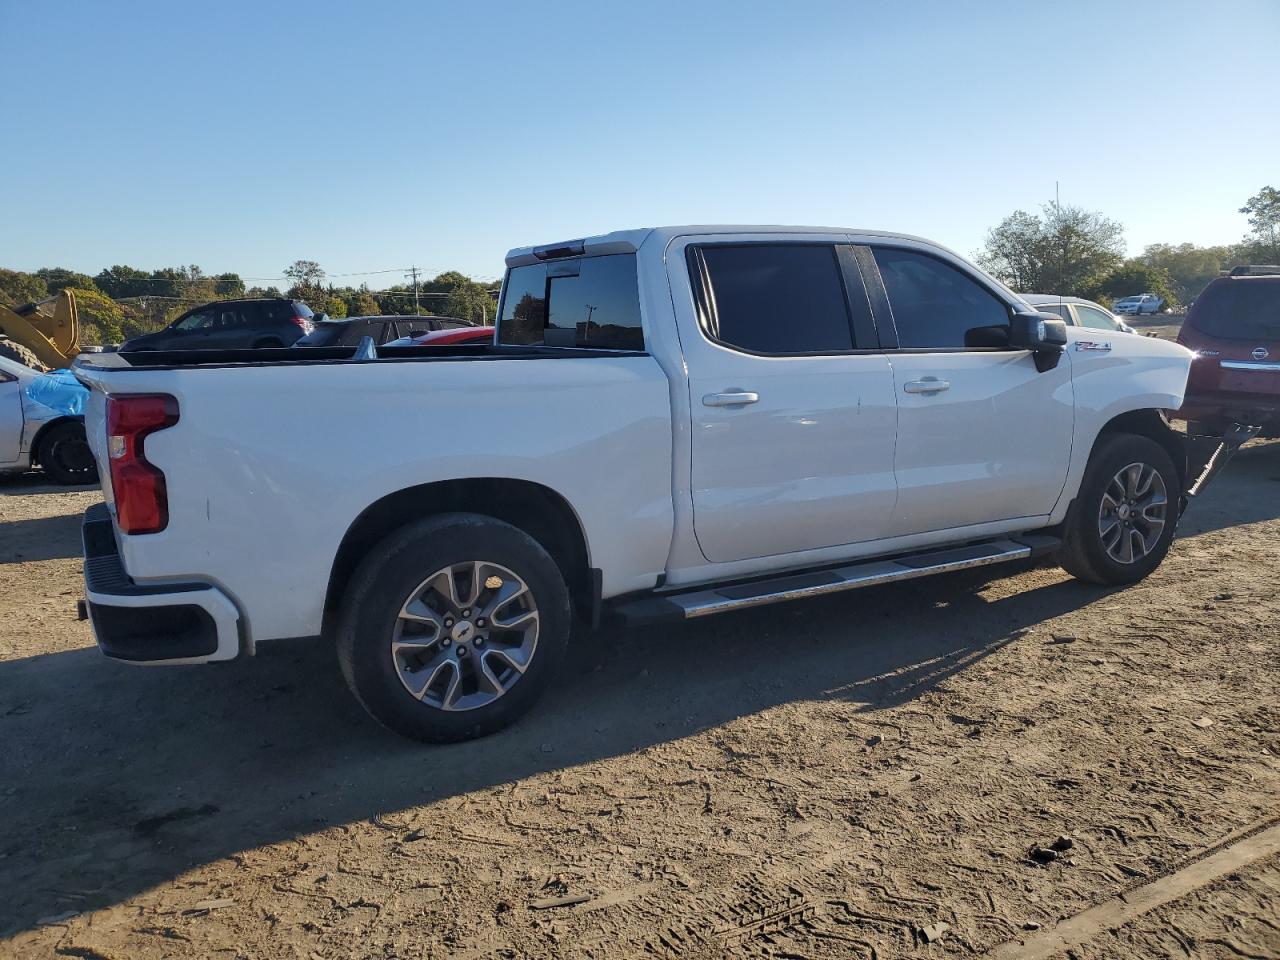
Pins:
x,y
671,422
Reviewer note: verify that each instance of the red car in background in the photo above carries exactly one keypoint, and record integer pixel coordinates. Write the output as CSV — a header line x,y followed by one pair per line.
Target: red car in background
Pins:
x,y
1234,329
436,338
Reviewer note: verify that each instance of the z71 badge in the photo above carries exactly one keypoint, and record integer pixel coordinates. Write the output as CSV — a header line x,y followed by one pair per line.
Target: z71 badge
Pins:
x,y
1093,345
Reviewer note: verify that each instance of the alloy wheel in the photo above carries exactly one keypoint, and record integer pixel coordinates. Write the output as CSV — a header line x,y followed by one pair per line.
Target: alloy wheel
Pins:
x,y
1133,513
465,635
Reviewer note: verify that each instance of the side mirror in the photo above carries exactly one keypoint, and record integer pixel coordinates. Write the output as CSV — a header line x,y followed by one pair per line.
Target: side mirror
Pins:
x,y
1044,334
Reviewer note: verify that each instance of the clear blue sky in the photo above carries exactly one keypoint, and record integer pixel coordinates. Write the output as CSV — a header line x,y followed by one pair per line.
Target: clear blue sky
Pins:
x,y
242,136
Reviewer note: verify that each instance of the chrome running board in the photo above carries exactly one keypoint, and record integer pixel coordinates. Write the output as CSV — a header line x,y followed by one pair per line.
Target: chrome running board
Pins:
x,y
705,601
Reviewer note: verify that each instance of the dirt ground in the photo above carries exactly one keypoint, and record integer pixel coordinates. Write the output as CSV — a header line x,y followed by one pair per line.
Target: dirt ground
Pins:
x,y
858,776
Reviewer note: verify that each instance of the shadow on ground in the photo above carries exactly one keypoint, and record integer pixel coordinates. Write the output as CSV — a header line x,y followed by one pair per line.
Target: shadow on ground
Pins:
x,y
1247,491
40,538
118,778
34,483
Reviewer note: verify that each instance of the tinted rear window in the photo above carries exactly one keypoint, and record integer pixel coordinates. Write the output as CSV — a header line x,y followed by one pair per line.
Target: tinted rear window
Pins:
x,y
777,298
592,302
1247,309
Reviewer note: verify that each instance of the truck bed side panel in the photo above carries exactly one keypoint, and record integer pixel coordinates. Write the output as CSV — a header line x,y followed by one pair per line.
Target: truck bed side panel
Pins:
x,y
268,467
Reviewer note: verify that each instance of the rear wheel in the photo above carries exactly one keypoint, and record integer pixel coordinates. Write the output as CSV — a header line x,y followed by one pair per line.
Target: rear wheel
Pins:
x,y
65,456
453,627
1124,516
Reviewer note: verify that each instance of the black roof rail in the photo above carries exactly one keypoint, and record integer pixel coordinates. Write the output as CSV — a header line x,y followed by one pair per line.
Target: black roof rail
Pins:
x,y
1255,270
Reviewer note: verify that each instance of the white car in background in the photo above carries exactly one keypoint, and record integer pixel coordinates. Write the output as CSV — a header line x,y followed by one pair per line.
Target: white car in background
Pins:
x,y
1143,303
1078,312
34,434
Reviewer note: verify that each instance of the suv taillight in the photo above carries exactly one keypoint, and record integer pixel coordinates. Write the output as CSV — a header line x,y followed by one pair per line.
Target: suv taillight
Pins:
x,y
142,501
305,323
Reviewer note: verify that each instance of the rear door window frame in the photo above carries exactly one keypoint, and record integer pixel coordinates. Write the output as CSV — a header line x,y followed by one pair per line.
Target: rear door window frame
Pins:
x,y
859,312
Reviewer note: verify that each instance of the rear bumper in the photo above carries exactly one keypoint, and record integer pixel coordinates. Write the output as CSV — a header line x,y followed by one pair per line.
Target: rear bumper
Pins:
x,y
169,623
1242,408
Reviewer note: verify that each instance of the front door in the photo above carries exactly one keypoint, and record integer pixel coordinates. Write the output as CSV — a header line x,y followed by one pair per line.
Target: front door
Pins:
x,y
792,404
983,436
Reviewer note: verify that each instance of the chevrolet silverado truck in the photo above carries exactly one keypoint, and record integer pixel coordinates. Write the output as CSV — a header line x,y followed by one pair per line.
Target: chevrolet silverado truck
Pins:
x,y
669,423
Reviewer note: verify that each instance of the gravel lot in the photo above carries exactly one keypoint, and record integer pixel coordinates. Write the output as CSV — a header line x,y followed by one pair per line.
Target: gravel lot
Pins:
x,y
855,776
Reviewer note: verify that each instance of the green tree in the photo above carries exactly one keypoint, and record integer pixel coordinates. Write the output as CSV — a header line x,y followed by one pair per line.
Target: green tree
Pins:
x,y
335,307
1135,277
307,286
1189,267
1263,209
228,286
1015,251
361,303
58,278
304,273
17,288
469,302
120,281
101,318
1066,250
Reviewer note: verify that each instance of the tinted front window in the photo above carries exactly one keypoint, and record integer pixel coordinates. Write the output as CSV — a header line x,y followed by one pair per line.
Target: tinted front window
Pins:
x,y
777,298
935,305
1059,308
592,302
1239,309
195,321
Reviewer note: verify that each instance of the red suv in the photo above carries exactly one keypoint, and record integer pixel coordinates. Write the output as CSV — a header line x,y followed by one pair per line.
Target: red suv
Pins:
x,y
1234,329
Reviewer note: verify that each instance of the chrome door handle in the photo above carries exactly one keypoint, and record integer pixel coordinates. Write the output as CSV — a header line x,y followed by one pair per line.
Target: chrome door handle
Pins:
x,y
927,385
733,398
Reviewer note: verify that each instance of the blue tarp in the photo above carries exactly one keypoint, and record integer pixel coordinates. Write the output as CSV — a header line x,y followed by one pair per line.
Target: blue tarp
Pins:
x,y
59,391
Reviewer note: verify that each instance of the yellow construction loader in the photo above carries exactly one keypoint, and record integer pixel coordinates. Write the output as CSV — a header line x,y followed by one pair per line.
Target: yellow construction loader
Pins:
x,y
43,335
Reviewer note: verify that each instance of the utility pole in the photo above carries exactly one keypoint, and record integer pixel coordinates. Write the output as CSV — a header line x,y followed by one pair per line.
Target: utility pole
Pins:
x,y
412,273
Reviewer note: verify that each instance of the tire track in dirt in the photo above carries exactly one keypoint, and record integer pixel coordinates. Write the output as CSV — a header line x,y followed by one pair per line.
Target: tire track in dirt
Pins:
x,y
1237,850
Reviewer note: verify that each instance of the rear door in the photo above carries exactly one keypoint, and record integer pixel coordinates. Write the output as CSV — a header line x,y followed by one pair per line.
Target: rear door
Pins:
x,y
791,399
982,435
230,326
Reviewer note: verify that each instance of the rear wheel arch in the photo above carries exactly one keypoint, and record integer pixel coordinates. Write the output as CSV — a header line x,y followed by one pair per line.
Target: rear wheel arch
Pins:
x,y
533,508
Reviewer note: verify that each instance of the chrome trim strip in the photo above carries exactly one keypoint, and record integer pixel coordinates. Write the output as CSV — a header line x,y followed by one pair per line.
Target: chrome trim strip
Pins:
x,y
1270,366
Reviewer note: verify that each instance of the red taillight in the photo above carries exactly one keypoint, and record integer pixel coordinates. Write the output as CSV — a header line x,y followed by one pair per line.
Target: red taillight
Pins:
x,y
305,323
142,502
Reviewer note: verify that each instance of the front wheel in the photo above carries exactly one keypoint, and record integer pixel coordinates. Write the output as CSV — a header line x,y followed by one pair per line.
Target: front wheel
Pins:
x,y
453,627
1124,516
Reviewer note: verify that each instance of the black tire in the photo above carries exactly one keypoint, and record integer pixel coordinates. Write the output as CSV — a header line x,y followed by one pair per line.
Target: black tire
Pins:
x,y
64,454
21,354
1084,554
394,571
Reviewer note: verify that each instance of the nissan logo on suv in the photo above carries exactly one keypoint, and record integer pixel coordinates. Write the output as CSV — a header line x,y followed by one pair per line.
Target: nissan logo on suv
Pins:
x,y
1260,353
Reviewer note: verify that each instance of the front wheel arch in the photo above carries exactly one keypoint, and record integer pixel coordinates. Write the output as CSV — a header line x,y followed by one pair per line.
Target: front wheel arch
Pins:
x,y
1154,425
